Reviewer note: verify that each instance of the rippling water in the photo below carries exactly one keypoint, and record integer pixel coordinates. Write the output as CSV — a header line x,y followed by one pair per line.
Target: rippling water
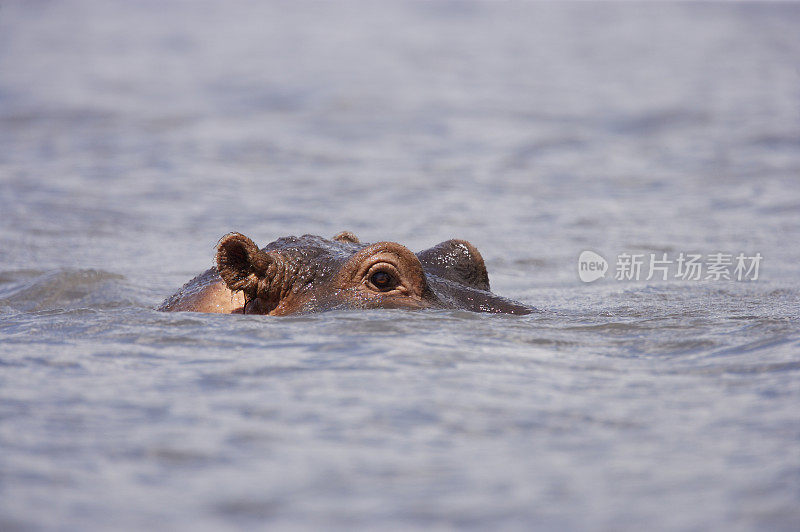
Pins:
x,y
132,137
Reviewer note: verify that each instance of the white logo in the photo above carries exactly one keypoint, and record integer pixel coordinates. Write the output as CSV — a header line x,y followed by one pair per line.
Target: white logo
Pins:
x,y
663,266
591,266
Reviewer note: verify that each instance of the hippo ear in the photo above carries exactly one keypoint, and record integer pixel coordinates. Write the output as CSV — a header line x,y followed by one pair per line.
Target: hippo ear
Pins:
x,y
347,236
456,260
240,263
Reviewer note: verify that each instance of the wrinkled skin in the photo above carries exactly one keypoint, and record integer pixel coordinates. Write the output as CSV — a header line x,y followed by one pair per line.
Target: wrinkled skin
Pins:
x,y
312,274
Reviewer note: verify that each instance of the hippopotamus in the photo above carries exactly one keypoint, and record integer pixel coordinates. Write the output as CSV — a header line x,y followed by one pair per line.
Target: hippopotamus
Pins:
x,y
311,274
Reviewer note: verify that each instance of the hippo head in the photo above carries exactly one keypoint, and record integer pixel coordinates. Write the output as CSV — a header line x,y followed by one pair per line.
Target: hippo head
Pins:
x,y
310,273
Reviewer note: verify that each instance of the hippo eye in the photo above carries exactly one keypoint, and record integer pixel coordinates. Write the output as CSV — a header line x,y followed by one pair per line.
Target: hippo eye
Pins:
x,y
383,281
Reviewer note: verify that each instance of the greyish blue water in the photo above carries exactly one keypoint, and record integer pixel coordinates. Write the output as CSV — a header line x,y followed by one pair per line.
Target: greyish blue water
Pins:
x,y
134,135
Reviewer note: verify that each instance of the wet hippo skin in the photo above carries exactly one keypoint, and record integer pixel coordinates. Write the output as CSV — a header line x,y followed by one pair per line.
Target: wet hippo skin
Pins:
x,y
312,274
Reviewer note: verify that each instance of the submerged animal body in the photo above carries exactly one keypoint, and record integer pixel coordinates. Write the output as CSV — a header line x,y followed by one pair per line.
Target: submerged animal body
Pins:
x,y
311,274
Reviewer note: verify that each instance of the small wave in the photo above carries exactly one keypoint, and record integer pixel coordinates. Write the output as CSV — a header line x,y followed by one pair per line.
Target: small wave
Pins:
x,y
30,290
